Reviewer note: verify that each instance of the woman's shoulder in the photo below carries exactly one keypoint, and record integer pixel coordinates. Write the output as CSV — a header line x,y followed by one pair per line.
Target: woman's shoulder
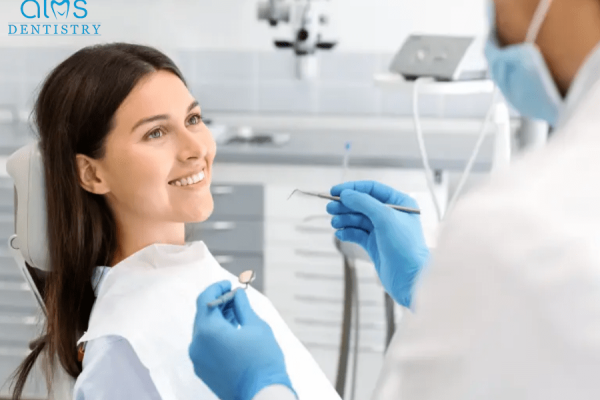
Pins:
x,y
98,349
112,370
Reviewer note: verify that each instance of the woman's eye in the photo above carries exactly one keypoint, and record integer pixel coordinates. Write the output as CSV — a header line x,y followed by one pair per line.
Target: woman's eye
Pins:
x,y
195,119
155,134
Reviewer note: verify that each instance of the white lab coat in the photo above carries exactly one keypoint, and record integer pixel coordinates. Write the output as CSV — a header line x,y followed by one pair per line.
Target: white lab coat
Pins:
x,y
510,306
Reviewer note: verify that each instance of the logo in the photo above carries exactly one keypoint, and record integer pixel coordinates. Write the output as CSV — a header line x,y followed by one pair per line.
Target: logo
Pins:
x,y
65,13
48,13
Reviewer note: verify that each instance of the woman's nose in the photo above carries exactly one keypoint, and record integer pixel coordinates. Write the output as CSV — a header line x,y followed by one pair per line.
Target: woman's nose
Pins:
x,y
193,144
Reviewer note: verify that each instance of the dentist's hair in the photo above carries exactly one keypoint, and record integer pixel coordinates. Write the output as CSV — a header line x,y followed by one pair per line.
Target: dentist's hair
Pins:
x,y
73,114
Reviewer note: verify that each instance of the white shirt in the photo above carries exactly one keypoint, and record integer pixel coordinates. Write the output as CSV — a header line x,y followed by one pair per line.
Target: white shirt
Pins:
x,y
510,305
112,371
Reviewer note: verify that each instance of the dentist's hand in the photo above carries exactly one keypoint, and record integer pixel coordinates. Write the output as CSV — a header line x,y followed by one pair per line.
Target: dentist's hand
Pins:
x,y
234,351
393,239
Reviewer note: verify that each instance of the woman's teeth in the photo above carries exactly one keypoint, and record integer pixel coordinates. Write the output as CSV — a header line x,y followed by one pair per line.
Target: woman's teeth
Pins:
x,y
190,180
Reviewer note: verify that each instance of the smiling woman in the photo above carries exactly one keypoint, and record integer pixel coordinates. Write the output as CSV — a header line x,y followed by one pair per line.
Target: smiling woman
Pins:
x,y
158,141
107,192
127,162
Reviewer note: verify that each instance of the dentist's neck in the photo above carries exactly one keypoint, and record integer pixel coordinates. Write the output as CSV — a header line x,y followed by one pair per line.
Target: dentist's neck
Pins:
x,y
569,34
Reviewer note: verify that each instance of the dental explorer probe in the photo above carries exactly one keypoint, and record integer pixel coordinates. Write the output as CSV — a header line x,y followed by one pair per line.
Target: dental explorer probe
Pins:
x,y
245,278
408,210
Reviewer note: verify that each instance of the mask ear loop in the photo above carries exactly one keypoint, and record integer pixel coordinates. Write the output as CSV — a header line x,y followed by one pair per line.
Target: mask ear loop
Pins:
x,y
538,19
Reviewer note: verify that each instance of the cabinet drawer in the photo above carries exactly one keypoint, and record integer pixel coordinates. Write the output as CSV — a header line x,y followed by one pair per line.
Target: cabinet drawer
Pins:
x,y
7,228
226,236
279,204
7,196
284,256
243,201
24,310
18,330
14,294
330,315
304,234
320,262
316,260
369,341
323,320
293,291
9,271
238,264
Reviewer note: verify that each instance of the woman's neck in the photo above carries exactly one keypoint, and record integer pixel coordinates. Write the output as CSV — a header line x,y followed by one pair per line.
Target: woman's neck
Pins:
x,y
133,236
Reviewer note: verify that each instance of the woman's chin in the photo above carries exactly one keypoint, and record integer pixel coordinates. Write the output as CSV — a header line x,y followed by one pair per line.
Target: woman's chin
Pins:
x,y
199,215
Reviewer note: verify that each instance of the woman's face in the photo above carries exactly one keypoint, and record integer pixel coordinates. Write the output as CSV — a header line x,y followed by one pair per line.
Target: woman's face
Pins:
x,y
159,145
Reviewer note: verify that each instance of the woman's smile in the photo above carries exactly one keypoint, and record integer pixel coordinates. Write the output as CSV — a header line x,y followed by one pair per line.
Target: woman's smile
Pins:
x,y
192,180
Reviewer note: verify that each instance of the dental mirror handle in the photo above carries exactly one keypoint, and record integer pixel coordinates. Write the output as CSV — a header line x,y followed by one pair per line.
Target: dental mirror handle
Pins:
x,y
225,298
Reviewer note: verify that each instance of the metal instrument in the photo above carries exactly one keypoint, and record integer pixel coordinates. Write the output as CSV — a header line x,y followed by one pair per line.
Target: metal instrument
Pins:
x,y
408,210
245,278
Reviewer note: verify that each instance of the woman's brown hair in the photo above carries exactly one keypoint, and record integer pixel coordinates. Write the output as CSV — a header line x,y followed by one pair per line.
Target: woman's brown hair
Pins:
x,y
73,114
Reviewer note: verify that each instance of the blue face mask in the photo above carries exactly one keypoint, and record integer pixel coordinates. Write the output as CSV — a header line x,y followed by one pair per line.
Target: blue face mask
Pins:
x,y
521,72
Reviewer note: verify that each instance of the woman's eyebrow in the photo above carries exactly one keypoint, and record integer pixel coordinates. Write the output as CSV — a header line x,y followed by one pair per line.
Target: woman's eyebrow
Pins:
x,y
161,116
193,105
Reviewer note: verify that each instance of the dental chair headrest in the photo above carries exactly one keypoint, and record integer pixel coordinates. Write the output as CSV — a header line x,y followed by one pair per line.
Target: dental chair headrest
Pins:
x,y
26,168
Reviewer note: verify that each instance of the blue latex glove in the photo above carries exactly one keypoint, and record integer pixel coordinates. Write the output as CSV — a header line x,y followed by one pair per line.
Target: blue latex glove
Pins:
x,y
393,239
234,351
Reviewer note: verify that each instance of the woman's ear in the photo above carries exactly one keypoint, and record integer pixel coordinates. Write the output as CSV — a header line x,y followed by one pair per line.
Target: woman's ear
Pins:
x,y
90,177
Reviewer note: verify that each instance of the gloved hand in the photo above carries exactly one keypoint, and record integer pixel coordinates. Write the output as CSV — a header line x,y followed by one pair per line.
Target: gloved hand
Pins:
x,y
393,239
234,351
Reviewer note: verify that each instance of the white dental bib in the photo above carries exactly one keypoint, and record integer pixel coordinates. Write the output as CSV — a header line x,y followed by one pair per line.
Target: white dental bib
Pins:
x,y
150,300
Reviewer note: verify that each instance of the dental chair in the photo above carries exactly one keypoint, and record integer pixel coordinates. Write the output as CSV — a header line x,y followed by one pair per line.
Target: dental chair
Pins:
x,y
28,246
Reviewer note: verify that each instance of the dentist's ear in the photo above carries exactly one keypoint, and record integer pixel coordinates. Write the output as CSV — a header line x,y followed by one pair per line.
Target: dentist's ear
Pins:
x,y
90,177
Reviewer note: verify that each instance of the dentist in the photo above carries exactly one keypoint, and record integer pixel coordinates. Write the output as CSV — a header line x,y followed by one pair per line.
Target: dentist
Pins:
x,y
509,307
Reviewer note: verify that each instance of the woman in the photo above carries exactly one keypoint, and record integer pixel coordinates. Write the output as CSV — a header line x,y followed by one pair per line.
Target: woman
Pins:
x,y
127,161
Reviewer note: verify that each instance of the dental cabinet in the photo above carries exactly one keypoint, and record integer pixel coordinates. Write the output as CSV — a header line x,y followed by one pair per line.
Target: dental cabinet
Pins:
x,y
234,233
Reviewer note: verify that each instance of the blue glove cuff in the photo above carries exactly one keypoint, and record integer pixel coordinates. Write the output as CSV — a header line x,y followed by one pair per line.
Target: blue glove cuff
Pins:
x,y
415,283
253,386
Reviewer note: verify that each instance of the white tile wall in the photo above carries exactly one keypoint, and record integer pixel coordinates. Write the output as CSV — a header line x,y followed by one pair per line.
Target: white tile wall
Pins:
x,y
361,26
276,66
247,81
226,96
288,96
349,99
226,66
